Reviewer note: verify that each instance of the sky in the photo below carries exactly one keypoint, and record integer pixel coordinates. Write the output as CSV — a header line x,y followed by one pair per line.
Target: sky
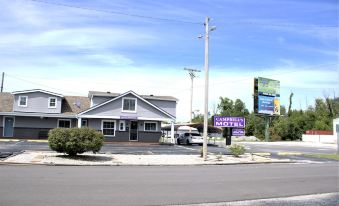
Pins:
x,y
72,47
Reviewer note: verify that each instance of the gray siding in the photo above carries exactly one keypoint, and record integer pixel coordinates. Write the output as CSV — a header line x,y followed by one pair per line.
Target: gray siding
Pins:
x,y
37,102
98,100
149,136
30,127
115,109
96,124
168,106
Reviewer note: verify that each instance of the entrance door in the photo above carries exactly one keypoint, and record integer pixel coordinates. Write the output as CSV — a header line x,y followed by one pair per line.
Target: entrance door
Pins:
x,y
133,132
9,126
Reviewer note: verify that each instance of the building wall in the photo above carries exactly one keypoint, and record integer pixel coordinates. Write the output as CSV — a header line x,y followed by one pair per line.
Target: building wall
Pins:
x,y
98,100
319,138
33,127
115,109
37,102
168,106
123,136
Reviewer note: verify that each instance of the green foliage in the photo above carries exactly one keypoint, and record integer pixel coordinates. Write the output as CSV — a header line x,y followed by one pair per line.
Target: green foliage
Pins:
x,y
198,118
291,125
237,150
75,140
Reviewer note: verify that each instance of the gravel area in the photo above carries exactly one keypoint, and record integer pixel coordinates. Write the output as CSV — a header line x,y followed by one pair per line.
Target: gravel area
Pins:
x,y
52,158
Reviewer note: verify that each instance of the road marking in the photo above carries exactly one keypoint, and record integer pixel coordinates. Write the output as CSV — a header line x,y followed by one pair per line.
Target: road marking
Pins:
x,y
9,140
37,140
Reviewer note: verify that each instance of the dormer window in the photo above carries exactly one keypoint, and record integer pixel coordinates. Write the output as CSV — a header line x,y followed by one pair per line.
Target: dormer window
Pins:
x,y
129,104
52,102
22,101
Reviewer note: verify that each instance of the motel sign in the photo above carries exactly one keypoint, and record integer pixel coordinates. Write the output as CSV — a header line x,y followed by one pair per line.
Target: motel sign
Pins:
x,y
238,122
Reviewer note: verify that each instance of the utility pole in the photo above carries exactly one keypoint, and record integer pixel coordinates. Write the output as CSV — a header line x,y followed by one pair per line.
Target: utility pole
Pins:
x,y
192,74
207,30
2,82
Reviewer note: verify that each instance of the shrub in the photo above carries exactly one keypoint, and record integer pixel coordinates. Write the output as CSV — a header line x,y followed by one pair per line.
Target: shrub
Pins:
x,y
75,140
237,150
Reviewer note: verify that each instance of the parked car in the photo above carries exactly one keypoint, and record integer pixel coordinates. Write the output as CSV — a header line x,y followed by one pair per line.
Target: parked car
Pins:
x,y
190,138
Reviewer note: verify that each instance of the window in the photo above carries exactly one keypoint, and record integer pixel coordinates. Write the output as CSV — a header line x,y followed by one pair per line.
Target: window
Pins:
x,y
129,104
52,102
23,101
150,126
84,123
108,127
64,123
122,125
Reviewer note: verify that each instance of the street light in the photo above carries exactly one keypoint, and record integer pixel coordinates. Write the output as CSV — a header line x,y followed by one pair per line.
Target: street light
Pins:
x,y
207,30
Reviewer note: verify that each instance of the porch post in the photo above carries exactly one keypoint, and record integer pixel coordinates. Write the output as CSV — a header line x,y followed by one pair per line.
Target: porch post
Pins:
x,y
79,122
172,132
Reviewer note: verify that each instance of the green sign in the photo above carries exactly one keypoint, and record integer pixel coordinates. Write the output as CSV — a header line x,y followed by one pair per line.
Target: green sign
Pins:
x,y
268,87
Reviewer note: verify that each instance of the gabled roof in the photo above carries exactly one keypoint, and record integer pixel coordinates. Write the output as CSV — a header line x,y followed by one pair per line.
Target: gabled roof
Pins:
x,y
38,90
124,94
111,94
6,102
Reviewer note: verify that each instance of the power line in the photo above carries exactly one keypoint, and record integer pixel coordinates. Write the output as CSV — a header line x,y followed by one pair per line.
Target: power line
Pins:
x,y
39,84
117,12
310,26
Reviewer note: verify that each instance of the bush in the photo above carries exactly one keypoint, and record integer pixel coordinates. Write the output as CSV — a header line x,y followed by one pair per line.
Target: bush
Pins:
x,y
237,150
75,140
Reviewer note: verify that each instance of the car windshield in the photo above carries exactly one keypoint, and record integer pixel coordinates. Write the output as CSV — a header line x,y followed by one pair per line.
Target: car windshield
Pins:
x,y
194,134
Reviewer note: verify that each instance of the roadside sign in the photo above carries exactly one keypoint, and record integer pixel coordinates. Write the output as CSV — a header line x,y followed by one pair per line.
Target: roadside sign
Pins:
x,y
220,121
238,132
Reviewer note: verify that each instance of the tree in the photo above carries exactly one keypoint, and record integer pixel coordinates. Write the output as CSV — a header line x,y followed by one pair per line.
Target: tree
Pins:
x,y
290,105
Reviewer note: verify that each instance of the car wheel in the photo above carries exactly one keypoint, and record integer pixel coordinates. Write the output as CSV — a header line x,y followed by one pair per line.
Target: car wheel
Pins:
x,y
188,142
178,142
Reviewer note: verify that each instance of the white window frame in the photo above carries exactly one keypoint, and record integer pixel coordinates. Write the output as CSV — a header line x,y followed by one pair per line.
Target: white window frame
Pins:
x,y
129,111
102,127
124,125
69,120
20,101
49,102
156,127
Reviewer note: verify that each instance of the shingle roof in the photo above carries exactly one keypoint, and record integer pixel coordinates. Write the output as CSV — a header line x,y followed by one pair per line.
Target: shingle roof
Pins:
x,y
6,102
74,104
111,94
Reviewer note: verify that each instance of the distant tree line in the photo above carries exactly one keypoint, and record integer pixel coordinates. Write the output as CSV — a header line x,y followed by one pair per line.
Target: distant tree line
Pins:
x,y
290,125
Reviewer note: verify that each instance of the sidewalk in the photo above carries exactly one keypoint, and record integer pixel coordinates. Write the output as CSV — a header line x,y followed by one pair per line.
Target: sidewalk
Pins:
x,y
52,158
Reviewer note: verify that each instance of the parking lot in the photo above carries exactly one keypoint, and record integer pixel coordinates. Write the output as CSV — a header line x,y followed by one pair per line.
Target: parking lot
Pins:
x,y
118,148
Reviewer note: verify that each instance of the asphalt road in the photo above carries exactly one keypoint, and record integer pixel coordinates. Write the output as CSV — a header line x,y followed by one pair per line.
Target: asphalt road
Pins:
x,y
271,147
51,185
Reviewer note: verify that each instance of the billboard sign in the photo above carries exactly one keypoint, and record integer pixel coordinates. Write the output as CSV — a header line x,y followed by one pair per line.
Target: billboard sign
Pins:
x,y
220,121
268,87
268,105
238,132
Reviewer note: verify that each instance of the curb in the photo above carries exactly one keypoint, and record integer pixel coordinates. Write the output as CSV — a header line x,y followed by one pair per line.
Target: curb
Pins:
x,y
156,165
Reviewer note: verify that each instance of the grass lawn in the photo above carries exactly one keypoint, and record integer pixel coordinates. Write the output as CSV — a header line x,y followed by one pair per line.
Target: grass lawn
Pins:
x,y
325,156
